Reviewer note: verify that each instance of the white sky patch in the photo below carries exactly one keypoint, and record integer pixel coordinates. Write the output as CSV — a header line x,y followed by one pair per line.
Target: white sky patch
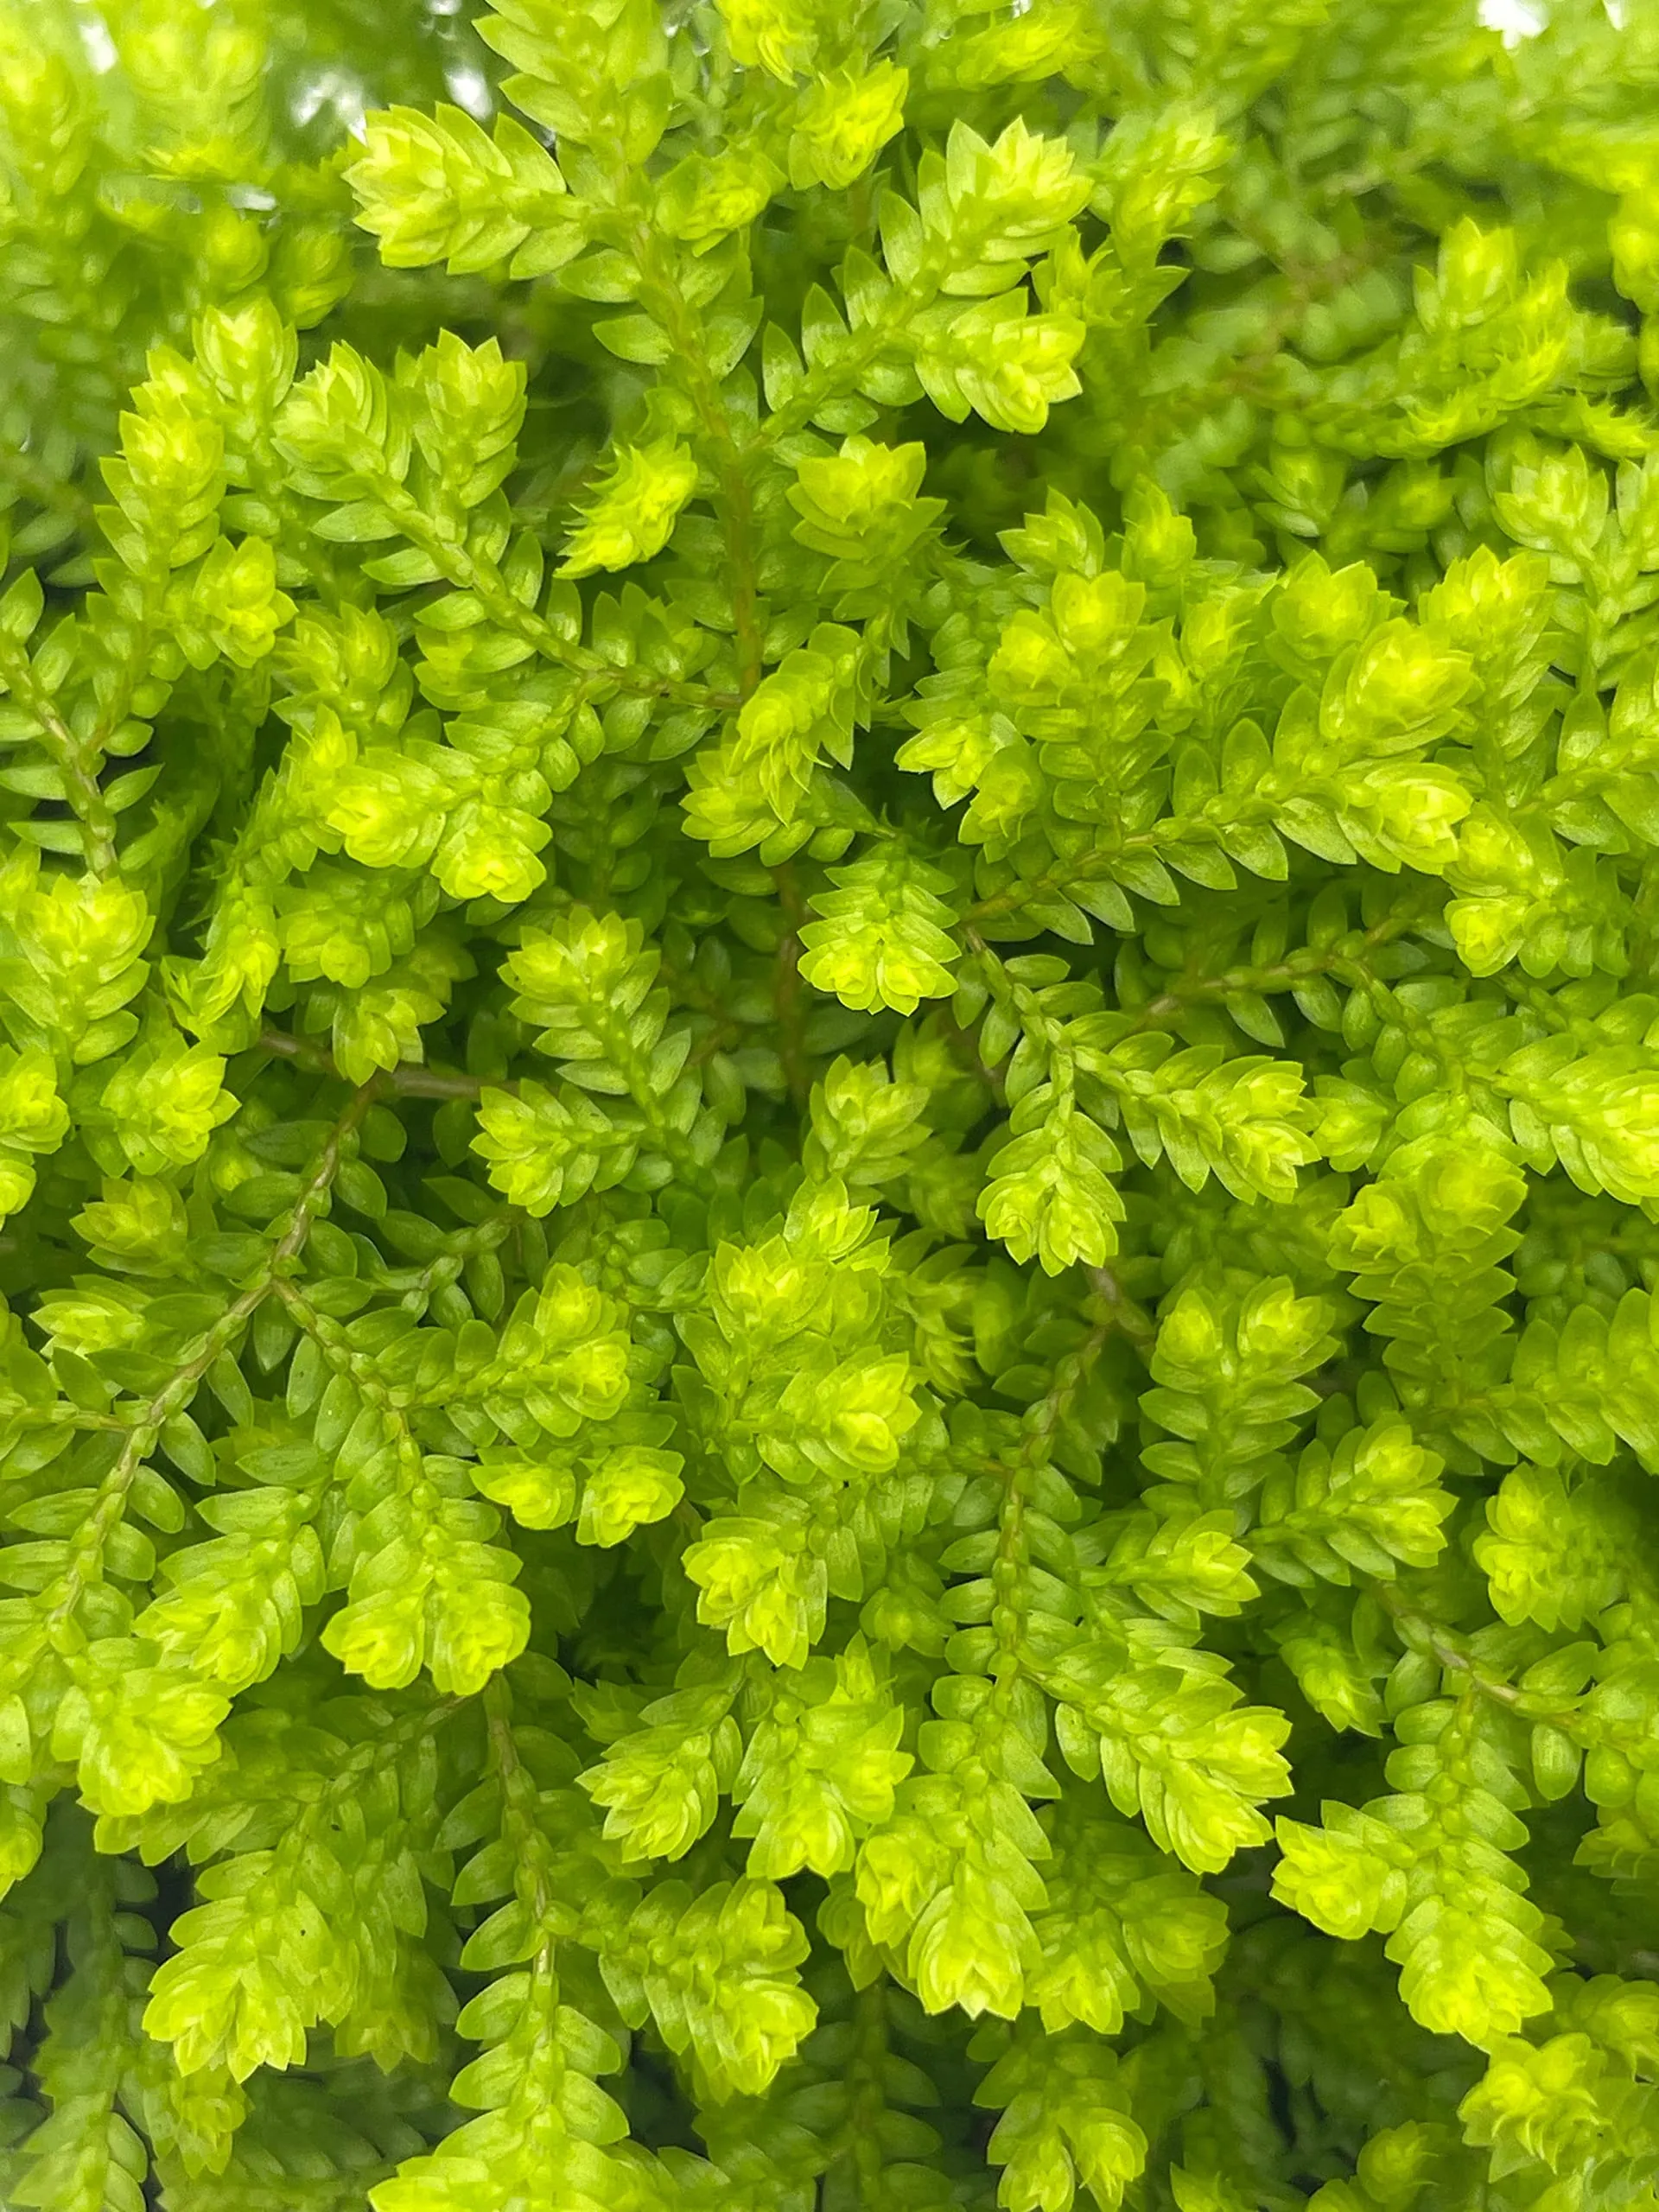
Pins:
x,y
331,88
469,90
100,47
1516,19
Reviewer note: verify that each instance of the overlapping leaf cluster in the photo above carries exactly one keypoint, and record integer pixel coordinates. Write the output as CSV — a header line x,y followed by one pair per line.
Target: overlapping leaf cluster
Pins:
x,y
829,1111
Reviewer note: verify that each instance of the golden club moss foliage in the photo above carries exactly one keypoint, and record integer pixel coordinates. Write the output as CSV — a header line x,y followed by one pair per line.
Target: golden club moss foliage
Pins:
x,y
829,1111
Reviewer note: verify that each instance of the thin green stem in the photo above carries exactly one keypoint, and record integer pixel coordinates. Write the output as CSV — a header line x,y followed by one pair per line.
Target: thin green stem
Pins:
x,y
110,1504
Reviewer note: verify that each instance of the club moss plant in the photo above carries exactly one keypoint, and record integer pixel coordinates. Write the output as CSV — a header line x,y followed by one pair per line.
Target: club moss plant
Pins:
x,y
830,1121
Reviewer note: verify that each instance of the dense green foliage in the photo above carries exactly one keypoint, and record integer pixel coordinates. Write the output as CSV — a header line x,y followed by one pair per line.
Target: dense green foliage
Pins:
x,y
830,950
